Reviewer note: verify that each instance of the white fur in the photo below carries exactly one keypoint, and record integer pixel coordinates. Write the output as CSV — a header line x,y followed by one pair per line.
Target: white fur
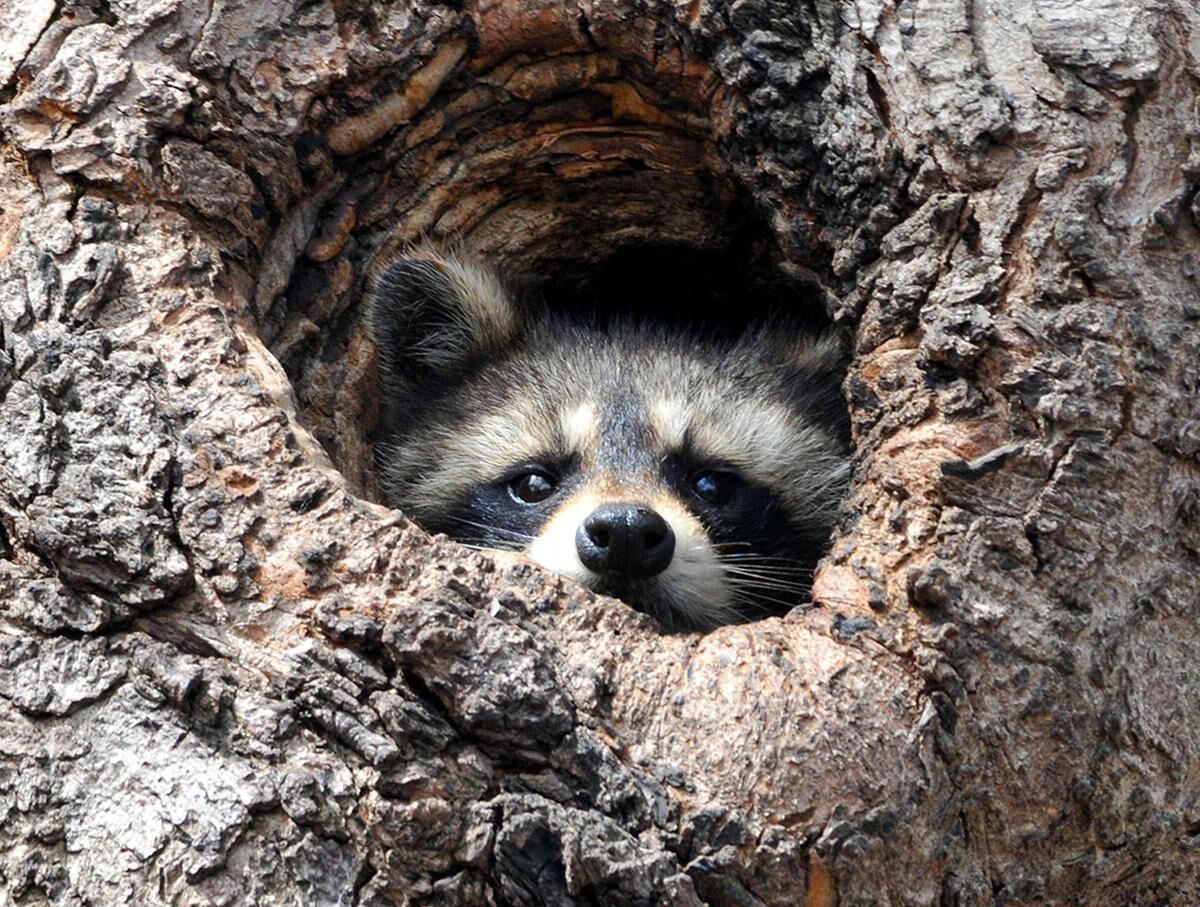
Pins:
x,y
693,586
693,582
670,417
554,547
580,428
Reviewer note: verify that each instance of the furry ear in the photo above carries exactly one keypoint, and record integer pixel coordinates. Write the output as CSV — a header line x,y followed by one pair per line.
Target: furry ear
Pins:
x,y
811,368
819,354
796,348
433,310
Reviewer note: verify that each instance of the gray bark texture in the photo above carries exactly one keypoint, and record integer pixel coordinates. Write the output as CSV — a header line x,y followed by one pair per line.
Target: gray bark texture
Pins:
x,y
227,676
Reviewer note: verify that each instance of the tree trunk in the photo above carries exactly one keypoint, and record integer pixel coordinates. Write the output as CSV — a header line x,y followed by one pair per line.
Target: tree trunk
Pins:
x,y
226,676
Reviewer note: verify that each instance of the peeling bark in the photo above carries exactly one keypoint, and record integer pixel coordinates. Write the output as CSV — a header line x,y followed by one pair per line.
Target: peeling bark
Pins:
x,y
228,676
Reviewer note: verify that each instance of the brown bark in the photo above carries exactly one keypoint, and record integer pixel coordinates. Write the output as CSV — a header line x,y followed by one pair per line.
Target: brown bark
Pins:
x,y
226,676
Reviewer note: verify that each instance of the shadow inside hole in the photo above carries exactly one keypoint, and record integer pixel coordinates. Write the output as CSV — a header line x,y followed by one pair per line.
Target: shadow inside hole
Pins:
x,y
722,292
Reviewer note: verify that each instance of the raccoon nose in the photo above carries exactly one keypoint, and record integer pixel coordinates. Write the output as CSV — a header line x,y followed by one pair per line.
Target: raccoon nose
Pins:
x,y
625,539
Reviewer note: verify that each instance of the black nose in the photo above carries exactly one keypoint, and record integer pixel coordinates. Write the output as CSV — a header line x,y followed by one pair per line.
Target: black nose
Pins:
x,y
625,539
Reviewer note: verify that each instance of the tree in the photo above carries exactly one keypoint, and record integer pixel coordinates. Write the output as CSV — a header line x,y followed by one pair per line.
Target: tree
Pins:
x,y
227,677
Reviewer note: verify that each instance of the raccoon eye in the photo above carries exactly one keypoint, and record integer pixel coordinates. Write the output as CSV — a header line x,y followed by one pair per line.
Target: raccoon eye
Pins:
x,y
531,488
714,487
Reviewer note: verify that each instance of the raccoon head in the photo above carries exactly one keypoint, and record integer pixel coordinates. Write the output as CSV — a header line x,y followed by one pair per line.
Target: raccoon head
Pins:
x,y
693,477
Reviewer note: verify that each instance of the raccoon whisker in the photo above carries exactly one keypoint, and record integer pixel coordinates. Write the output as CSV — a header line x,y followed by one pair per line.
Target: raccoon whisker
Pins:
x,y
766,572
485,546
766,593
715,546
749,577
767,582
501,542
751,555
758,600
789,582
739,612
772,576
498,530
756,556
749,559
759,558
763,566
783,600
759,568
505,533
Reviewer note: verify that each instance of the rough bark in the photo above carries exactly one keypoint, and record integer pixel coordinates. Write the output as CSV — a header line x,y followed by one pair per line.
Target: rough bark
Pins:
x,y
227,677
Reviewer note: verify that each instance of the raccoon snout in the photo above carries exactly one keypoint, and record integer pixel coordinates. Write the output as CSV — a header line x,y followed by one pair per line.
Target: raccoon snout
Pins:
x,y
625,539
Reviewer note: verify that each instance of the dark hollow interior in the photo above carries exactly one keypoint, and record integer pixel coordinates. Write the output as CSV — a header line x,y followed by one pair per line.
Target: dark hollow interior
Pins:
x,y
720,291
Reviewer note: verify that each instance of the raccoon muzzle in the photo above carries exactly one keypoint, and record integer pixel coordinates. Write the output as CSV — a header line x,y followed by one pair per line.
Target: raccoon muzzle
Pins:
x,y
625,540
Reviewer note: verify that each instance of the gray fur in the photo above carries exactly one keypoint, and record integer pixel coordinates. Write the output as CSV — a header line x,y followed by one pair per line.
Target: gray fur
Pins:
x,y
477,386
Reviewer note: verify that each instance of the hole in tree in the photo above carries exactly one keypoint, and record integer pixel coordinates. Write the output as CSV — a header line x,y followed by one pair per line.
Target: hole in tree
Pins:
x,y
596,180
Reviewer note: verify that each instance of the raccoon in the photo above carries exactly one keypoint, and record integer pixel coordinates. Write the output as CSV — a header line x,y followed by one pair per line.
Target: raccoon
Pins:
x,y
694,476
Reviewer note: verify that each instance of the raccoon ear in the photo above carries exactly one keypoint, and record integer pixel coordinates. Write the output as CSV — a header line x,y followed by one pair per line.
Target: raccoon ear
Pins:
x,y
789,345
820,354
435,310
816,365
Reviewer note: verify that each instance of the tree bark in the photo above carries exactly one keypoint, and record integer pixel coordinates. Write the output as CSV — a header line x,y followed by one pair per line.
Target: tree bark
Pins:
x,y
227,676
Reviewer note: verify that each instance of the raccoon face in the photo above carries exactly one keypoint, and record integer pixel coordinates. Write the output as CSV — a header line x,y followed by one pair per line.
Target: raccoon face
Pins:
x,y
694,478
